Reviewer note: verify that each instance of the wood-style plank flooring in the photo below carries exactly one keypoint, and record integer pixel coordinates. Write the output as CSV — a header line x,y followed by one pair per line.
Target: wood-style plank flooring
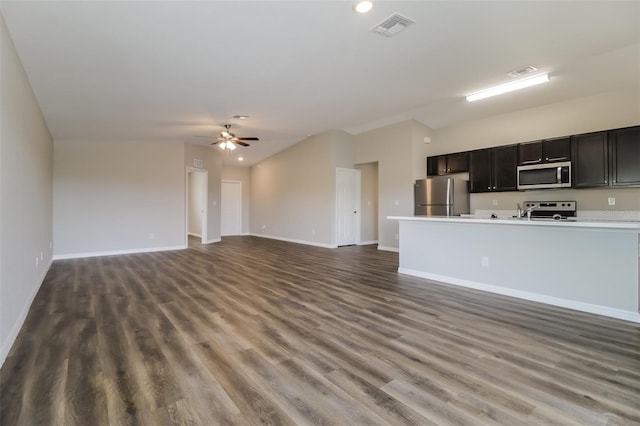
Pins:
x,y
255,331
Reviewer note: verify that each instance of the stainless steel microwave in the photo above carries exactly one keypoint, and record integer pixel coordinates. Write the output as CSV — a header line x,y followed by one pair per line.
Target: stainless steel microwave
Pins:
x,y
541,176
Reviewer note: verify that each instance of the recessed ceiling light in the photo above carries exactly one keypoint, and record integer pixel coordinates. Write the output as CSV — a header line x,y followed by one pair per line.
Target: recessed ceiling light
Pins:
x,y
508,87
363,6
240,158
241,117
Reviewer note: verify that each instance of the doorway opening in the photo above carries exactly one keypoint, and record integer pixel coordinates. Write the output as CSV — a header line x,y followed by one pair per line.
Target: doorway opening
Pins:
x,y
369,223
197,199
231,208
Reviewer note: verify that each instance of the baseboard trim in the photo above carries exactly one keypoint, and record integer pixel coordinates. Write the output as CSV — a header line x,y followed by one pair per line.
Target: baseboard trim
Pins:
x,y
534,297
115,252
385,248
192,234
15,330
214,240
292,240
367,243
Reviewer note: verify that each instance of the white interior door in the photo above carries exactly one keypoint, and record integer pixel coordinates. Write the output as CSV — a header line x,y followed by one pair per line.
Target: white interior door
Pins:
x,y
347,206
231,208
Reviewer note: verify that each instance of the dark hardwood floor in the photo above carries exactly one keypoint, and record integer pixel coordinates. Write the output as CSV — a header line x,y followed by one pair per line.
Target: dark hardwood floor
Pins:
x,y
256,331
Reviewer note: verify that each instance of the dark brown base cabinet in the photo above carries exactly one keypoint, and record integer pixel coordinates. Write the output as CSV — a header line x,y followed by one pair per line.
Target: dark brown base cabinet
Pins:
x,y
624,153
493,169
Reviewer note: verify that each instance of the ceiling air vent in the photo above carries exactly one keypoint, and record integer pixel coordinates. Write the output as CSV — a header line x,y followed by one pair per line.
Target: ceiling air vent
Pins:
x,y
523,71
392,25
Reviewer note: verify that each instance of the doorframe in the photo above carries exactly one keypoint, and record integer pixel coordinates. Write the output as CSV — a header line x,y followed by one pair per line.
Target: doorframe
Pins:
x,y
358,203
205,201
239,182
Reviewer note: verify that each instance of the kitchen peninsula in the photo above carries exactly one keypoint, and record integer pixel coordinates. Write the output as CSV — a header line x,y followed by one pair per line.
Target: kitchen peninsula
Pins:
x,y
590,266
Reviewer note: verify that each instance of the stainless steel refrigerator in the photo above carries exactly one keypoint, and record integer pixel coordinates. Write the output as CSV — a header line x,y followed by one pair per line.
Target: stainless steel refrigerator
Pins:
x,y
441,196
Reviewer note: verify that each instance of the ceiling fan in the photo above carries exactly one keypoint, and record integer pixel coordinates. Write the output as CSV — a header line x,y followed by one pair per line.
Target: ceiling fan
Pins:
x,y
228,140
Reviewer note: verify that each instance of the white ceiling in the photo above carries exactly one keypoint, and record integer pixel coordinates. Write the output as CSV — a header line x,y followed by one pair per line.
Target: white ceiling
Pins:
x,y
149,70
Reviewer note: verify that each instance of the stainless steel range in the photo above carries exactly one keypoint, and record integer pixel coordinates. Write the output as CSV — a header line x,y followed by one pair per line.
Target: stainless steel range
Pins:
x,y
552,210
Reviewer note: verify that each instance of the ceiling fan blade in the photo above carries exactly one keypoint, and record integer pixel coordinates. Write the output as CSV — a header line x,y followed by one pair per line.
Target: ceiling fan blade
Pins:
x,y
241,143
248,139
214,143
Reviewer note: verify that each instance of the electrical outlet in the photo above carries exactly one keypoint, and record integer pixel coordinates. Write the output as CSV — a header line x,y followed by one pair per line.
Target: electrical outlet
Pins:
x,y
494,202
37,260
151,235
485,261
612,201
397,203
214,202
313,232
397,237
41,256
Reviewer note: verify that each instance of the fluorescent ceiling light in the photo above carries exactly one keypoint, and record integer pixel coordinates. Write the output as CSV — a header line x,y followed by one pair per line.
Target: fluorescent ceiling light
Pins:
x,y
508,87
363,6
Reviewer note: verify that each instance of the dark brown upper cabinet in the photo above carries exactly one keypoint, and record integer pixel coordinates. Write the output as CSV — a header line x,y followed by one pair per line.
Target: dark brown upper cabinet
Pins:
x,y
590,163
624,154
493,169
545,151
448,163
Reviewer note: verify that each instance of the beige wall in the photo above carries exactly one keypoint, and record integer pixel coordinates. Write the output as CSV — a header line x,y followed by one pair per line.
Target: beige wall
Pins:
x,y
241,174
26,194
212,163
369,202
111,196
603,111
395,149
293,192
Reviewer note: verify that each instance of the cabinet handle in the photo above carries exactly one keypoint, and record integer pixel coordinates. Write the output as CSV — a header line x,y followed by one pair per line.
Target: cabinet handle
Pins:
x,y
556,158
488,187
494,187
532,161
605,181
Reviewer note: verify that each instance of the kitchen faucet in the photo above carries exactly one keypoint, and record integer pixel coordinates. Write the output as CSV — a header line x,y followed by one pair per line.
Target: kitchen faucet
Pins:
x,y
530,209
520,213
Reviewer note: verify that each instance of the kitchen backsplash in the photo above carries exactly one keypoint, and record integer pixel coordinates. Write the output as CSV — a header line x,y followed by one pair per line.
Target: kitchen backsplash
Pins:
x,y
594,201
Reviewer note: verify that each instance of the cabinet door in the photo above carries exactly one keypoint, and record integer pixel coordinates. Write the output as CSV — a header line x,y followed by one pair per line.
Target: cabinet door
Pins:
x,y
432,166
458,162
480,171
556,150
530,153
437,165
589,160
624,147
505,174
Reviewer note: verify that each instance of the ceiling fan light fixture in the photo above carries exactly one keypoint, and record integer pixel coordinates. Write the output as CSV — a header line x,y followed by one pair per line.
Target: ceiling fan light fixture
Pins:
x,y
508,87
231,146
363,6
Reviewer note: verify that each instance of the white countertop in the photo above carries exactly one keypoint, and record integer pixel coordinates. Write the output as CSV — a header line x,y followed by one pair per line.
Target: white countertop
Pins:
x,y
632,225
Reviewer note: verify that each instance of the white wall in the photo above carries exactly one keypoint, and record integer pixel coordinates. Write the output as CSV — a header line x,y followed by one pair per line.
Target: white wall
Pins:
x,y
196,188
293,192
241,174
113,197
26,191
599,112
212,163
